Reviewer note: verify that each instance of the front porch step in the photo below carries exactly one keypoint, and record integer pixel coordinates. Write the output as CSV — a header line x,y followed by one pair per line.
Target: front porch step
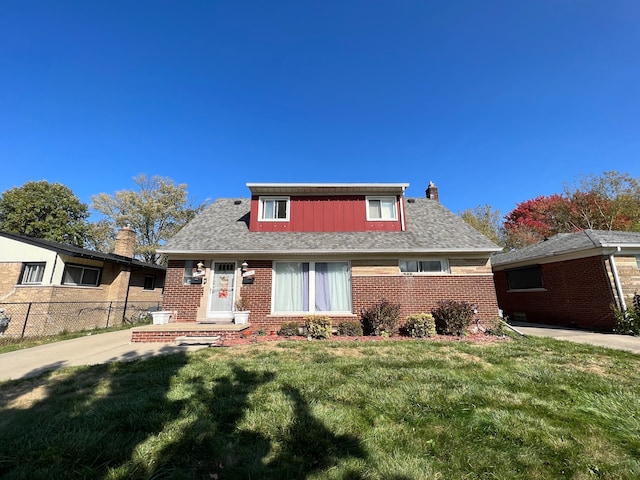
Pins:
x,y
192,339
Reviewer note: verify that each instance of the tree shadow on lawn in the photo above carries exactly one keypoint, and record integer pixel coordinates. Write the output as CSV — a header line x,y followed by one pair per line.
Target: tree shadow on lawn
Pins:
x,y
152,420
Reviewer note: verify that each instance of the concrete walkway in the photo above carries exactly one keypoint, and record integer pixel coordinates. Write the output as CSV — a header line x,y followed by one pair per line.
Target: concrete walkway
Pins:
x,y
609,340
88,350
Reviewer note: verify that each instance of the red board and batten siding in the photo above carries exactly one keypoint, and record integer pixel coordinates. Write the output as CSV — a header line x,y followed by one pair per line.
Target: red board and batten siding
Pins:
x,y
324,214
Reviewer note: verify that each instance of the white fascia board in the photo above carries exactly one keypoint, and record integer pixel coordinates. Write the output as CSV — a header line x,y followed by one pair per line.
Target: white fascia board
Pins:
x,y
554,257
319,188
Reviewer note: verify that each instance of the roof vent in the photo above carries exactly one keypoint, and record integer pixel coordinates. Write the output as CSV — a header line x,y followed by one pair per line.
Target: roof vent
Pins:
x,y
237,202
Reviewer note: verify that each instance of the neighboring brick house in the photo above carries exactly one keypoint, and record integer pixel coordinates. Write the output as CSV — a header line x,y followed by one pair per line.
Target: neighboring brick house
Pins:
x,y
570,279
330,249
56,276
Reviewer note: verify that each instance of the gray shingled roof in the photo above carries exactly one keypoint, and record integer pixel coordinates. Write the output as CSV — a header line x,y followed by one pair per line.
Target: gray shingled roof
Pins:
x,y
563,243
78,252
223,228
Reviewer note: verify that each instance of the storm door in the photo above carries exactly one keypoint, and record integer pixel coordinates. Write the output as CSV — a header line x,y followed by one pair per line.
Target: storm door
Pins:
x,y
221,290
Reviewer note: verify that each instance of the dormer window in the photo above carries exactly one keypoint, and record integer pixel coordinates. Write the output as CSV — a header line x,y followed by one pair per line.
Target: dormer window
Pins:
x,y
274,209
381,208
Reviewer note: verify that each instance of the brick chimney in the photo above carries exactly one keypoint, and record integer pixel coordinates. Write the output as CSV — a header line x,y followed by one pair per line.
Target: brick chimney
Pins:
x,y
125,242
432,192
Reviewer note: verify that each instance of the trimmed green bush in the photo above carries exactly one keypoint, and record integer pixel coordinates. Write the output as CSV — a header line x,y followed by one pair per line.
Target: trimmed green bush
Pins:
x,y
318,326
380,319
451,317
289,329
628,321
494,326
350,329
420,325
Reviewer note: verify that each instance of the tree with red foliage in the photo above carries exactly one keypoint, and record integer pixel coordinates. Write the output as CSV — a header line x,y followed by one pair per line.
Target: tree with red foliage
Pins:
x,y
610,201
534,220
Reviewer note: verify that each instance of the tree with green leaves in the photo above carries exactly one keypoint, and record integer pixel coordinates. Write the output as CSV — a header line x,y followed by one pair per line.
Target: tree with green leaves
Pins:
x,y
44,210
486,220
610,201
156,211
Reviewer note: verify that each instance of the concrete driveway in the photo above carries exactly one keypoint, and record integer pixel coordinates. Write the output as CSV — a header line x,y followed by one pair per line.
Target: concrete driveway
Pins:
x,y
609,340
88,350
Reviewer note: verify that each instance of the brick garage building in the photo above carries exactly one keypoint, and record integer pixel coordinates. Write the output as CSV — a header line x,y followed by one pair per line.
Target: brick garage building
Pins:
x,y
333,249
571,279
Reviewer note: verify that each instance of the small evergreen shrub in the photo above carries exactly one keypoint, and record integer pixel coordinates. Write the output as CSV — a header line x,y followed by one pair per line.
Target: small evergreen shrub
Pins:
x,y
380,319
494,326
317,326
289,329
628,321
420,325
350,329
451,317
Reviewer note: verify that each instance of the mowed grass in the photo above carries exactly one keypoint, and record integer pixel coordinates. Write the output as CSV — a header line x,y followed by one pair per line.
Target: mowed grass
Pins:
x,y
529,409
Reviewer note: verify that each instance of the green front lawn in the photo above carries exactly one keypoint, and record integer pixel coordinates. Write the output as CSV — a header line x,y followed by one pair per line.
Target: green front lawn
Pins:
x,y
530,409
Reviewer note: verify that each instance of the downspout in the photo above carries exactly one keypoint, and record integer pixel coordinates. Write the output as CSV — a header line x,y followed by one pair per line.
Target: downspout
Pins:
x,y
616,280
402,224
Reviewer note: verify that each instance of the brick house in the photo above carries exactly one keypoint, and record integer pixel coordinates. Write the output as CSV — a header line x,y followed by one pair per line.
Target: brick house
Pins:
x,y
63,285
297,249
570,279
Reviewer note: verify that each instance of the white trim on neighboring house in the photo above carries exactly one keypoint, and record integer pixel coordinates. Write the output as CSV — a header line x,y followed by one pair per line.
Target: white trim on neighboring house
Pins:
x,y
616,281
559,257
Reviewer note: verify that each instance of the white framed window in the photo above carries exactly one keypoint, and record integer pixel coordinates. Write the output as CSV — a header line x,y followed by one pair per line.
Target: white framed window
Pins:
x,y
433,265
382,208
32,273
81,276
311,287
274,209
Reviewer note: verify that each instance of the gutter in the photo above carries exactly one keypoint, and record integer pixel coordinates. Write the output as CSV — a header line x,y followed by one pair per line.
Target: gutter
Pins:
x,y
329,252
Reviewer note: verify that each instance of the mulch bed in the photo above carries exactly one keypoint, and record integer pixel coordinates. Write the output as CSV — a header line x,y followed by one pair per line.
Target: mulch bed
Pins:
x,y
479,338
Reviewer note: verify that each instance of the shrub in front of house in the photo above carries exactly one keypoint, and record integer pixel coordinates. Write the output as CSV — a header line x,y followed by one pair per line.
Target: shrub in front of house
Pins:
x,y
289,329
380,319
628,321
494,326
452,317
317,326
349,329
420,325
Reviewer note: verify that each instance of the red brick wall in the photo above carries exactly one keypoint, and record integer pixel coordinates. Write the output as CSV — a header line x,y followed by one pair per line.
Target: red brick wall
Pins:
x,y
183,299
415,294
421,293
576,292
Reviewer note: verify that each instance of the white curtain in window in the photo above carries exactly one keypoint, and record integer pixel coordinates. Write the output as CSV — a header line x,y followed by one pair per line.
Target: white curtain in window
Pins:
x,y
374,209
289,287
33,273
269,209
387,208
339,287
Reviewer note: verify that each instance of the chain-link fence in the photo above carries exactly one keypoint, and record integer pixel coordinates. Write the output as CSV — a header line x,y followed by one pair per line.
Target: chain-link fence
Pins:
x,y
32,319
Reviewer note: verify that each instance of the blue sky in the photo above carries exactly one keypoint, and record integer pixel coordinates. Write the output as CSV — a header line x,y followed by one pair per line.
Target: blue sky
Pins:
x,y
495,101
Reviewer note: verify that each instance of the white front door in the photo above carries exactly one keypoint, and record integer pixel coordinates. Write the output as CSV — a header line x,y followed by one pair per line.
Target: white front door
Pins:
x,y
221,290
